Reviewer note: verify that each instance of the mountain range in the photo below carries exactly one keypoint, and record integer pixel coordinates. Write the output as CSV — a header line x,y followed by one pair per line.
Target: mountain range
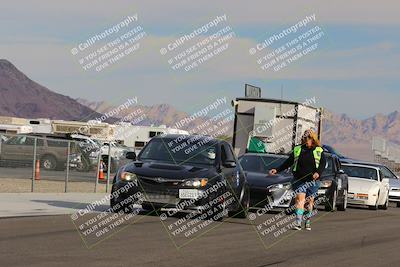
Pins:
x,y
22,97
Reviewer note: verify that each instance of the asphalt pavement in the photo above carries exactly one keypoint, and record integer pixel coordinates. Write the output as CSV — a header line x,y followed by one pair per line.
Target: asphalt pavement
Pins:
x,y
357,237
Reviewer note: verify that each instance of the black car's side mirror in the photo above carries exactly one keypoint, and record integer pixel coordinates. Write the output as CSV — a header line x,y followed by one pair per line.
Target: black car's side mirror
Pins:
x,y
130,155
229,164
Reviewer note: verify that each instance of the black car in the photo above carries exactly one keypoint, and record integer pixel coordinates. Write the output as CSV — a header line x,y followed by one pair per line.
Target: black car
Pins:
x,y
189,173
266,189
276,190
334,184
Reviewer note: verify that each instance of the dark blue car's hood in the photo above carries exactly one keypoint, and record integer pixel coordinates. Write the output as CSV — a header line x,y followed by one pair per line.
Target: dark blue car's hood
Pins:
x,y
169,170
256,179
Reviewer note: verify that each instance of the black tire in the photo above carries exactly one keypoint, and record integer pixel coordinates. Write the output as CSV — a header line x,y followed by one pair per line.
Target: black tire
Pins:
x,y
386,205
115,206
343,206
398,204
219,207
331,204
376,204
244,205
147,207
48,162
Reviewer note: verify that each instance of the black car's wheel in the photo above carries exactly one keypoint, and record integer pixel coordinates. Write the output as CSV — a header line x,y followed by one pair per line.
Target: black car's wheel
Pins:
x,y
343,206
386,205
115,206
148,207
375,207
49,162
330,205
244,204
398,204
217,207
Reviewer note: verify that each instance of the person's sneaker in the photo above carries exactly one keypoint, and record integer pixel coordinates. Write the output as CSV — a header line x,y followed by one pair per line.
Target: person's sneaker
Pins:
x,y
297,227
308,225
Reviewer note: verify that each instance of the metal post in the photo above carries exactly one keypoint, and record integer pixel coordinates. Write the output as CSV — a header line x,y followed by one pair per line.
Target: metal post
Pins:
x,y
98,169
34,164
108,166
67,174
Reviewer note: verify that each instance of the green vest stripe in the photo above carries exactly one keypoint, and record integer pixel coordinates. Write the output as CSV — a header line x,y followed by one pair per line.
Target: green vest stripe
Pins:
x,y
317,152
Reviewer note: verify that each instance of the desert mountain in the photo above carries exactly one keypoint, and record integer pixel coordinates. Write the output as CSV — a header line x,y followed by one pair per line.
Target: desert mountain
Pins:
x,y
22,97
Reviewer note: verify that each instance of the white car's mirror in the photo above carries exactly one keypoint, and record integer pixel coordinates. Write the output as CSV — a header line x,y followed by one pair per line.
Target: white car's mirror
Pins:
x,y
385,180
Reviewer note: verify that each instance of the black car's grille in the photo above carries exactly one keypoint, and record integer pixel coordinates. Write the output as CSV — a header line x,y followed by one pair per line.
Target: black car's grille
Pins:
x,y
160,189
159,181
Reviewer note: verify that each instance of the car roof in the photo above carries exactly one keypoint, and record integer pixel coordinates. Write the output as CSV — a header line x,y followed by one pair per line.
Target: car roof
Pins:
x,y
375,164
361,165
189,136
265,155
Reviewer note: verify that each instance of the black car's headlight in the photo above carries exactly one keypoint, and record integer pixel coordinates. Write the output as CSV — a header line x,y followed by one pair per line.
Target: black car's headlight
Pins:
x,y
279,187
196,182
128,177
326,183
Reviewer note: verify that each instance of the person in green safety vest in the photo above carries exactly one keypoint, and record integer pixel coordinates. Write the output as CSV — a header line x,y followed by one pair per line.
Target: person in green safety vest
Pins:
x,y
308,163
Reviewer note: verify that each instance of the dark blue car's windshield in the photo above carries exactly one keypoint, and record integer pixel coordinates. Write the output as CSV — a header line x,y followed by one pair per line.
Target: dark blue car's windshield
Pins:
x,y
260,164
180,151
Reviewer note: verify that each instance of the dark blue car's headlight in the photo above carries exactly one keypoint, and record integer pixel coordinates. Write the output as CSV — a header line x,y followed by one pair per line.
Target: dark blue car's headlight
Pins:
x,y
279,187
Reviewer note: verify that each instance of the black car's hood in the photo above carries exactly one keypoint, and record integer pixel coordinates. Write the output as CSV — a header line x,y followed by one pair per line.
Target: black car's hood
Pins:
x,y
169,170
256,179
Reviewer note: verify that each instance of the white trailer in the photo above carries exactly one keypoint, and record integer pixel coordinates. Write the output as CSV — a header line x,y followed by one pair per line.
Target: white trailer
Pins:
x,y
279,124
138,136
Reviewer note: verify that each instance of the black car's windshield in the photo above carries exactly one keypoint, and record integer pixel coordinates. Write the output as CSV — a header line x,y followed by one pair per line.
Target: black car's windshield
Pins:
x,y
361,172
260,163
180,151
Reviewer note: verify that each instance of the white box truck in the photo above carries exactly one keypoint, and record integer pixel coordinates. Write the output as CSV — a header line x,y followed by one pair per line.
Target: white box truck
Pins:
x,y
275,125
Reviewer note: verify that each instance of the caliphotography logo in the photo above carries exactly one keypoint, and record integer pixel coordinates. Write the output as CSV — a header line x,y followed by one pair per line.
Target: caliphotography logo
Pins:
x,y
213,133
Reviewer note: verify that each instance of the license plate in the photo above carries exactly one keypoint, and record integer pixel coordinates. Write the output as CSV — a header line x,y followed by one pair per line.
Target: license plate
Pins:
x,y
189,193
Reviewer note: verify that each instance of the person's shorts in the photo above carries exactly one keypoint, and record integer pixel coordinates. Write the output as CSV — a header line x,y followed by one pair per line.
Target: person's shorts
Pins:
x,y
310,188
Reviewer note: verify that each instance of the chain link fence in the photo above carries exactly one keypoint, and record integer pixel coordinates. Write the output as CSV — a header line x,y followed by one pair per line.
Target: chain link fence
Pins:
x,y
45,163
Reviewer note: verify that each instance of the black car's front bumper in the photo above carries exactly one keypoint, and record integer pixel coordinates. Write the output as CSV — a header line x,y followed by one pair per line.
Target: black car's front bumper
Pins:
x,y
163,197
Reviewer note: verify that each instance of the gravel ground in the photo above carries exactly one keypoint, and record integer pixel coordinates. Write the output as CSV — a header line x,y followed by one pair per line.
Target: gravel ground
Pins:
x,y
8,185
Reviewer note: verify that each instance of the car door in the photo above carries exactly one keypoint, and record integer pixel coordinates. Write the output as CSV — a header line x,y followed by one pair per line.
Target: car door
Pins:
x,y
341,177
383,187
231,173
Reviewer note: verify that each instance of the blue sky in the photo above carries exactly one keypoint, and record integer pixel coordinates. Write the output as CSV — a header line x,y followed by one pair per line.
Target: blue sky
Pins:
x,y
355,69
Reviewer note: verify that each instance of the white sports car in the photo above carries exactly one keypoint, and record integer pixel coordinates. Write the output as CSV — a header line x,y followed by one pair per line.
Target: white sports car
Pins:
x,y
367,186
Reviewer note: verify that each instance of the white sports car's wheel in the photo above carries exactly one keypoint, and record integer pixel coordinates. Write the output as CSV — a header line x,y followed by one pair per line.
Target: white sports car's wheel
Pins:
x,y
375,207
386,205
